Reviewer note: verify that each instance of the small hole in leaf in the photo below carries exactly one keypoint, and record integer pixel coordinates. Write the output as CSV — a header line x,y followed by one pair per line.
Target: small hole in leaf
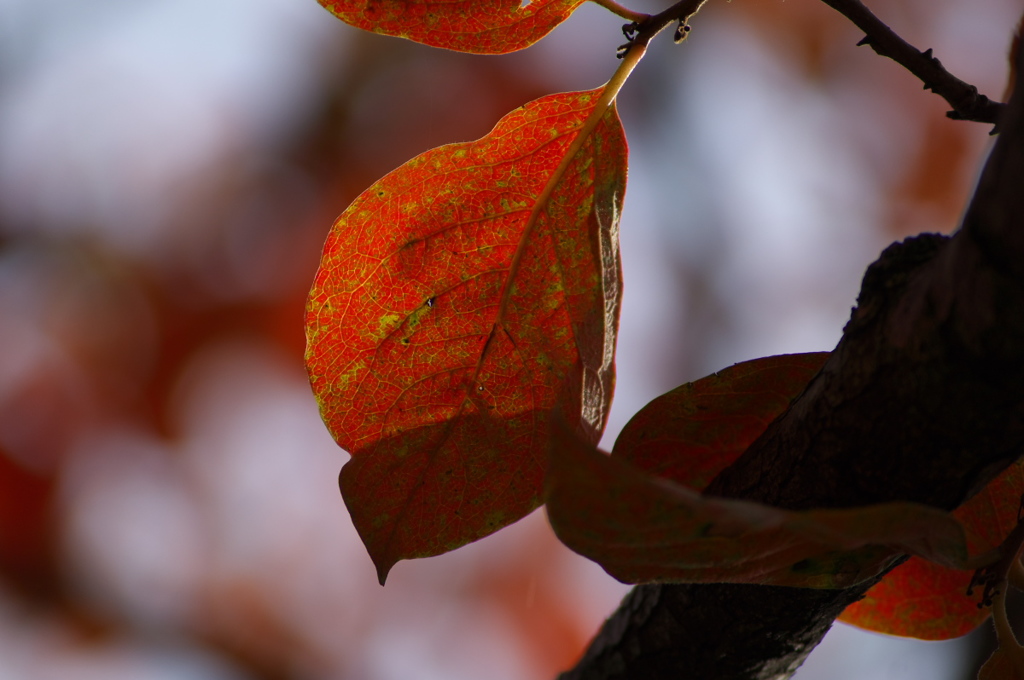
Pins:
x,y
430,302
524,4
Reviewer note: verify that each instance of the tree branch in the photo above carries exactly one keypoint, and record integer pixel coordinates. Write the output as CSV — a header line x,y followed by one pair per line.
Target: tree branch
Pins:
x,y
624,12
922,400
640,33
967,102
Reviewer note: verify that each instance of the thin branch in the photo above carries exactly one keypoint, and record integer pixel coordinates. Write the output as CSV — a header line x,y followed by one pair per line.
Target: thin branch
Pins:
x,y
640,33
624,12
967,102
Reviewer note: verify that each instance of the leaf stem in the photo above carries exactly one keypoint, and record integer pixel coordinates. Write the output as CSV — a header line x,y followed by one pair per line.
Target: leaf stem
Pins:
x,y
1004,633
1016,575
611,88
624,12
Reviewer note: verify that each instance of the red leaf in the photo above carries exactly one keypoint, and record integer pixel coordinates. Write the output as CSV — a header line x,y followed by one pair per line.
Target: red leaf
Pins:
x,y
924,600
479,26
460,301
645,529
697,430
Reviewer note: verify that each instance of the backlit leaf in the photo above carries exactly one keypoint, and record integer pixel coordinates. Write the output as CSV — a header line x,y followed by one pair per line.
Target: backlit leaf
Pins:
x,y
642,528
695,431
927,601
460,301
479,26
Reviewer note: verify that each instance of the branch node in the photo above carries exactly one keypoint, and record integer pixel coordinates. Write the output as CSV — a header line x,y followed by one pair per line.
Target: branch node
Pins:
x,y
993,577
682,30
989,579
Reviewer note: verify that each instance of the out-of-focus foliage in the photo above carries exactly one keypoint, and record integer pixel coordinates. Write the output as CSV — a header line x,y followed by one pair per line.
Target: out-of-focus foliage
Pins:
x,y
167,175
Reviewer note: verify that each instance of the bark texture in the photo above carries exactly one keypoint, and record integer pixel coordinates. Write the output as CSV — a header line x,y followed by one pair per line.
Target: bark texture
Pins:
x,y
922,400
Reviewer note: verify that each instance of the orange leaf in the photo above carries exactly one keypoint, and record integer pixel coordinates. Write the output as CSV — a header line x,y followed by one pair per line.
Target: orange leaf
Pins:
x,y
645,529
697,430
927,601
461,300
479,26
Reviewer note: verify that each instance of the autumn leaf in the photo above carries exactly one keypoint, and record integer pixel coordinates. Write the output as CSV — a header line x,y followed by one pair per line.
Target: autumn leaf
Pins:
x,y
461,300
478,26
645,529
690,434
927,601
695,431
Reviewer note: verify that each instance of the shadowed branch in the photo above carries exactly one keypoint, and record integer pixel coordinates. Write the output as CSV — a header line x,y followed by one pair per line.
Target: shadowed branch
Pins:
x,y
967,102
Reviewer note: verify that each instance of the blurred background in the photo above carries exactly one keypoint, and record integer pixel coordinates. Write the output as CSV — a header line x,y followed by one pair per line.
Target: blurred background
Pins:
x,y
168,172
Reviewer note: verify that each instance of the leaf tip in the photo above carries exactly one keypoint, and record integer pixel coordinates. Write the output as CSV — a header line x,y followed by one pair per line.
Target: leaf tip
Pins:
x,y
383,569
